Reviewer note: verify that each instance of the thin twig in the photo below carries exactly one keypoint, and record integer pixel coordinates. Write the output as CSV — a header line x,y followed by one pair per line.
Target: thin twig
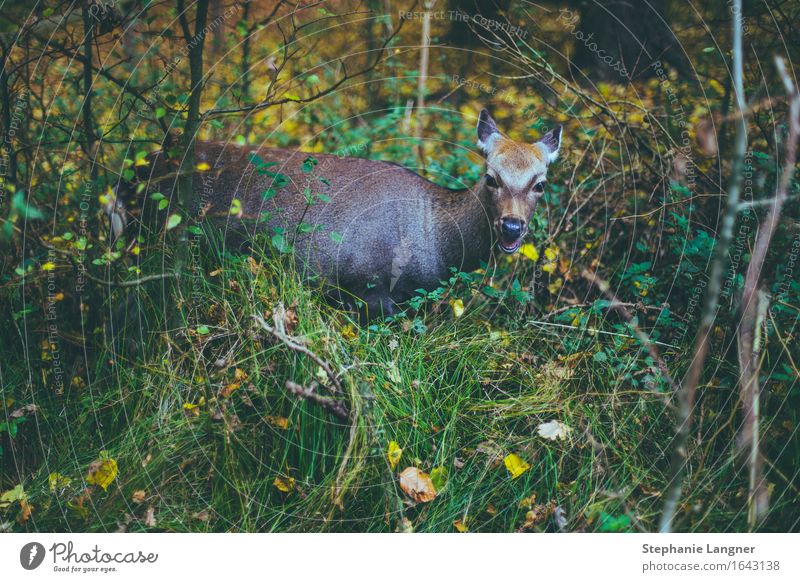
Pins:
x,y
335,407
293,344
686,394
753,311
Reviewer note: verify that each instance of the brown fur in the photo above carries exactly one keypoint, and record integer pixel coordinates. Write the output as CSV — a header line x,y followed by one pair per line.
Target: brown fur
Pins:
x,y
400,231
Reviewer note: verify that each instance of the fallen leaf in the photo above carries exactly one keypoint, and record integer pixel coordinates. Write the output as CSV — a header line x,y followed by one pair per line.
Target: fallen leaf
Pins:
x,y
537,514
457,305
226,391
12,495
201,515
25,509
19,412
278,422
190,409
138,496
460,525
515,465
417,485
102,472
284,484
394,454
553,430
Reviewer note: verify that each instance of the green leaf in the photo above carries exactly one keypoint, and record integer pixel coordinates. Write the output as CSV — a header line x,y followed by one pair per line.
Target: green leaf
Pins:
x,y
173,221
280,244
162,204
268,194
308,164
202,330
439,477
336,237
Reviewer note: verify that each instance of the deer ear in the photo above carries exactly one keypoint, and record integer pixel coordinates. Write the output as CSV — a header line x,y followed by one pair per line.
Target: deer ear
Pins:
x,y
487,131
551,143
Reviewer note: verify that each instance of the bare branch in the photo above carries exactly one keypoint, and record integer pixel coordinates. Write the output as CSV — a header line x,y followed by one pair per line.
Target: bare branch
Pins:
x,y
295,345
686,394
336,407
753,310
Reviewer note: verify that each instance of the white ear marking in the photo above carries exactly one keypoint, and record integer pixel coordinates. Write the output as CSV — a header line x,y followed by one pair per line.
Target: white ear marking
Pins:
x,y
551,143
487,132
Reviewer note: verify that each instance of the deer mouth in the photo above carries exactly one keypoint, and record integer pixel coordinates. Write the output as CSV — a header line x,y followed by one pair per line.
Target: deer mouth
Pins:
x,y
510,247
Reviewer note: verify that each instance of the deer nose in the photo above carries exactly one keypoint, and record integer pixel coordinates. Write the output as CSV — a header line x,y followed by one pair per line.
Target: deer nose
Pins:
x,y
511,228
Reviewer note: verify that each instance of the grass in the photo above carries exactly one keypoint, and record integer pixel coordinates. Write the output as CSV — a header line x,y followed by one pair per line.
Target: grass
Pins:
x,y
200,422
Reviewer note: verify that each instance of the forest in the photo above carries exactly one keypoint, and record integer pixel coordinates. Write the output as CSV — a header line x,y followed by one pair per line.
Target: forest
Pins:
x,y
627,361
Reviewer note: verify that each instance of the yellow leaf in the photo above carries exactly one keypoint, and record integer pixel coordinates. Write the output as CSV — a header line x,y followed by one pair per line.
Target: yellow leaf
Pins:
x,y
394,454
191,409
58,481
48,266
528,250
203,167
515,465
461,526
102,471
349,332
457,305
549,267
555,286
417,485
284,484
551,253
225,392
278,422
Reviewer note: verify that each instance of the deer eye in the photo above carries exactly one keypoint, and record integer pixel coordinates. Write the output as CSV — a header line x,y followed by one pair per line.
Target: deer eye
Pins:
x,y
490,181
539,188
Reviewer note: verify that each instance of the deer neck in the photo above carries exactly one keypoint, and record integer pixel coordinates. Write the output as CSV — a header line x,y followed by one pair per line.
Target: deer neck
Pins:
x,y
471,243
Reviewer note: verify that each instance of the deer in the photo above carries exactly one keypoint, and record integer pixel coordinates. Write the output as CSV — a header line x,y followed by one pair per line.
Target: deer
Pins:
x,y
372,233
